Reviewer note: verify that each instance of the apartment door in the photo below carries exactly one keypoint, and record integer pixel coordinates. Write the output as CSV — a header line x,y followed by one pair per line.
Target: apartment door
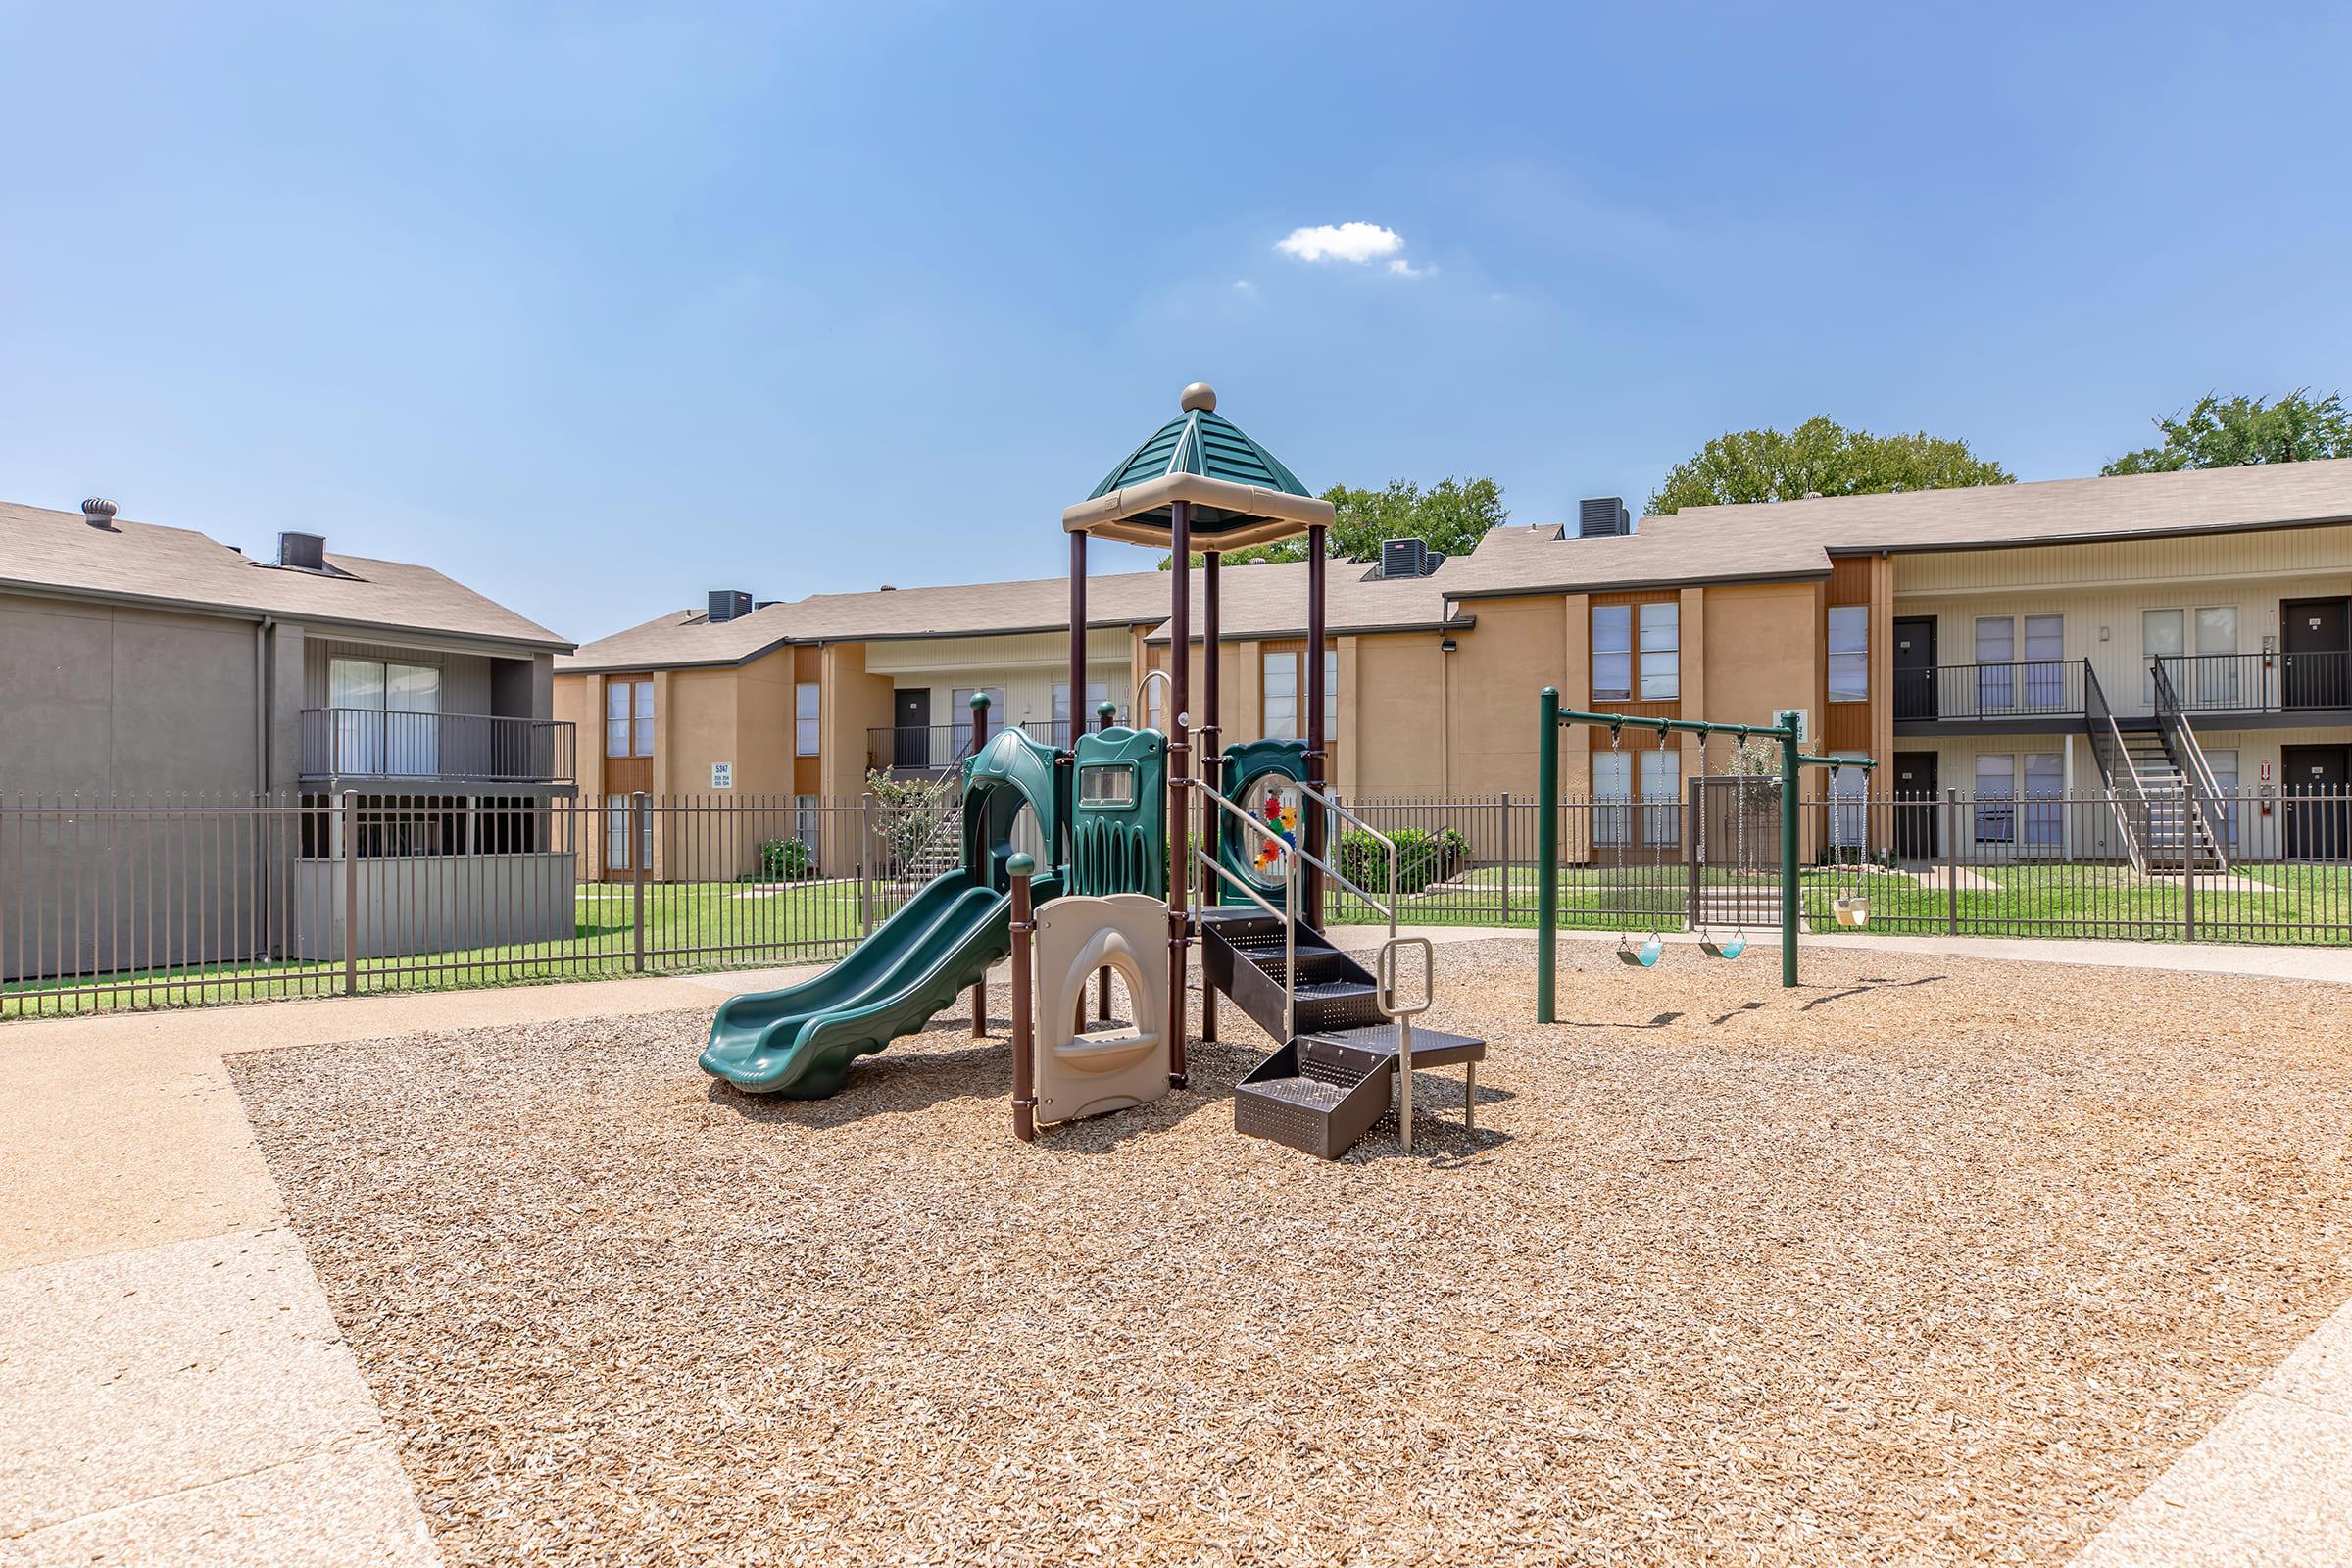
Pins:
x,y
2317,670
1915,667
629,768
1916,807
910,718
2319,815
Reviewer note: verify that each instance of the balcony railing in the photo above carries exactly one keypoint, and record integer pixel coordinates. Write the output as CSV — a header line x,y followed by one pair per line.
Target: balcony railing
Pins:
x,y
2259,683
936,747
370,743
2032,688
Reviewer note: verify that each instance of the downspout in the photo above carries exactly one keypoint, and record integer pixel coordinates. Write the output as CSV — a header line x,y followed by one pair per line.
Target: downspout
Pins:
x,y
262,631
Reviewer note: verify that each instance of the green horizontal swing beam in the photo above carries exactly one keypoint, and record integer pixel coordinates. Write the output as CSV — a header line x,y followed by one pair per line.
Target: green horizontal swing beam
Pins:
x,y
1548,831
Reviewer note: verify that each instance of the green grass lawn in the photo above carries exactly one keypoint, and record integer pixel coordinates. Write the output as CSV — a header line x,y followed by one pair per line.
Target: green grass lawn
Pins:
x,y
688,927
2295,903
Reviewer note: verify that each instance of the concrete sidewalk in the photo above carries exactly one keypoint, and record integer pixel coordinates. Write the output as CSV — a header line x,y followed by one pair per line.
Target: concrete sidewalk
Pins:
x,y
173,1389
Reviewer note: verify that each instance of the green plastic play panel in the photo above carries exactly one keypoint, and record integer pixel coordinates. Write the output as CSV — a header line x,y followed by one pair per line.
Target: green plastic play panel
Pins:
x,y
1119,813
1253,773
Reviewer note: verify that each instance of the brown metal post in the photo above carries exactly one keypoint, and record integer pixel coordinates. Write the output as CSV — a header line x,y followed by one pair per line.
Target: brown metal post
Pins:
x,y
1213,830
1180,751
1024,1043
1077,634
980,986
1312,893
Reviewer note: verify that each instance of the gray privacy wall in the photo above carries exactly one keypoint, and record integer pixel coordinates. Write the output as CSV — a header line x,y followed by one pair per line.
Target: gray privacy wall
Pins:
x,y
434,904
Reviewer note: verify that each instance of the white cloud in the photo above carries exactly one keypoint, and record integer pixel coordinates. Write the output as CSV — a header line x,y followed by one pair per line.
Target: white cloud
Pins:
x,y
1404,269
1243,286
1340,242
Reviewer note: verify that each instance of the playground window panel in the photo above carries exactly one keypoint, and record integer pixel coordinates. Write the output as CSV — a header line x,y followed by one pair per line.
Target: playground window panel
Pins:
x,y
804,714
1996,798
1109,786
1849,653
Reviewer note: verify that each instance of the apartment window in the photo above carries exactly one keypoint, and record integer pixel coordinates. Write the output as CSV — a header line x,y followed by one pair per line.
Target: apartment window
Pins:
x,y
2213,679
1660,775
1996,655
1849,653
1283,701
1996,798
2163,634
963,695
2045,662
1098,691
1849,815
629,718
806,731
1620,669
2223,766
2043,815
381,716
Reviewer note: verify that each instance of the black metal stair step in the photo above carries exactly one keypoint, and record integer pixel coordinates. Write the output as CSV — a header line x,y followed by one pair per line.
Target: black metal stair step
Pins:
x,y
1432,1048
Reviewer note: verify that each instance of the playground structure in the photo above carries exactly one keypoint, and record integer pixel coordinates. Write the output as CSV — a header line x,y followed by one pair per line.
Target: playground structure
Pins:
x,y
1125,818
1784,733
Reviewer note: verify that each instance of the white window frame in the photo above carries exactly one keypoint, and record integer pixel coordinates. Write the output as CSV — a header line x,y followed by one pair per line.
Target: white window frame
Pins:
x,y
1660,661
1849,666
1612,655
1279,712
807,713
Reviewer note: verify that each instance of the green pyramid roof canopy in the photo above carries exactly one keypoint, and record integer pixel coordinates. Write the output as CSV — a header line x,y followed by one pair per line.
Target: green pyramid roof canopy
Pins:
x,y
1240,493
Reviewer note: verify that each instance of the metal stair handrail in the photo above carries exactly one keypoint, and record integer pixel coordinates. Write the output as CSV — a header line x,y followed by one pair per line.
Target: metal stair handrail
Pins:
x,y
1388,848
1287,914
2196,774
1385,993
2114,758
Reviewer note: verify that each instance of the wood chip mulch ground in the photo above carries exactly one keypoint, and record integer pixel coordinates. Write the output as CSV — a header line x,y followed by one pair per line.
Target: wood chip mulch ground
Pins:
x,y
1933,1261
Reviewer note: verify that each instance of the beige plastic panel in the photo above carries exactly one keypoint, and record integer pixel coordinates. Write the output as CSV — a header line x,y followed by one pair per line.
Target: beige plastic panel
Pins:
x,y
1086,1075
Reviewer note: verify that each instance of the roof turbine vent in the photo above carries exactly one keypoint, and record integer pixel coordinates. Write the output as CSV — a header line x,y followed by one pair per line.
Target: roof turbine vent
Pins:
x,y
99,512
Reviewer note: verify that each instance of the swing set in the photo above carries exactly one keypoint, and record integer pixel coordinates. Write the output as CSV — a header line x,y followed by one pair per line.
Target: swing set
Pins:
x,y
1794,761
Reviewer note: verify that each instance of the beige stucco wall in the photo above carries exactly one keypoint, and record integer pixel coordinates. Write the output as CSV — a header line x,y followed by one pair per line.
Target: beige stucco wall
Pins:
x,y
854,701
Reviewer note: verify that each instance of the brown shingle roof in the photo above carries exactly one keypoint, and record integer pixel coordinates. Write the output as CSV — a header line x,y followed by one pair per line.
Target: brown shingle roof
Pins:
x,y
1269,599
1795,538
182,568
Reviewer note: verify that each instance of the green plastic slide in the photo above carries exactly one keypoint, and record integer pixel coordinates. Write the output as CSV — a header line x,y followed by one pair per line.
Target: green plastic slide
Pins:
x,y
798,1042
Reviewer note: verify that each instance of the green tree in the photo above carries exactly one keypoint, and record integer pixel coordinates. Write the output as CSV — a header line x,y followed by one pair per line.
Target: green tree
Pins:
x,y
1453,515
1820,456
2230,432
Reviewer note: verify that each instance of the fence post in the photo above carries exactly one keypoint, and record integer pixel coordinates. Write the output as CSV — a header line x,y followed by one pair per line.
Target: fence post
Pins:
x,y
2189,863
1695,837
866,864
1951,859
350,893
640,819
1506,856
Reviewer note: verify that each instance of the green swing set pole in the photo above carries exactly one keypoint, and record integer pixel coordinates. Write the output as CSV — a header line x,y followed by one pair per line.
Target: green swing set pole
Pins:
x,y
1547,850
1791,759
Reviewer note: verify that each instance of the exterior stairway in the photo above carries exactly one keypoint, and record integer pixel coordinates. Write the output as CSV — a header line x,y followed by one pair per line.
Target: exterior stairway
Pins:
x,y
2175,835
1335,1076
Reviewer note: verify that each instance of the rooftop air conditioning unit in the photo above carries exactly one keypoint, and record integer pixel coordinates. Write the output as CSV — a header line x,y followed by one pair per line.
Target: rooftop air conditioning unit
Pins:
x,y
1602,518
728,602
304,552
1408,557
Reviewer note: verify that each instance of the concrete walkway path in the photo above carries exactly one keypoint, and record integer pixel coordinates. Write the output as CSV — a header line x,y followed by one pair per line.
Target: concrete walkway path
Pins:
x,y
173,1389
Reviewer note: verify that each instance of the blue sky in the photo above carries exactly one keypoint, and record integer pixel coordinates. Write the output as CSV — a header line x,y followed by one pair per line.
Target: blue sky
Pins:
x,y
598,308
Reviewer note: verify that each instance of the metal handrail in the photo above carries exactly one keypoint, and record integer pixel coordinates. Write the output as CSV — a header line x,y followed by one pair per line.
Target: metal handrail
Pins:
x,y
1386,842
2195,771
1287,914
2096,713
1385,994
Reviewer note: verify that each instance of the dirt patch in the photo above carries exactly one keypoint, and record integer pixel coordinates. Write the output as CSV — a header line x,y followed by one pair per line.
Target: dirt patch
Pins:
x,y
1934,1261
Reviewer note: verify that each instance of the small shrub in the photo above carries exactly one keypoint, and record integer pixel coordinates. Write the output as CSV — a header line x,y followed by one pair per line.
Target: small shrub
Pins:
x,y
786,861
1422,858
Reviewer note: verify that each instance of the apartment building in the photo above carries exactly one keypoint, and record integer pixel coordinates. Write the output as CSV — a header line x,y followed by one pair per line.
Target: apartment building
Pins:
x,y
2157,634
146,664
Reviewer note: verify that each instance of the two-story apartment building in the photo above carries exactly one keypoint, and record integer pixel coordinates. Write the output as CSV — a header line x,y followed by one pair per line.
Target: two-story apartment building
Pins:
x,y
145,665
2151,635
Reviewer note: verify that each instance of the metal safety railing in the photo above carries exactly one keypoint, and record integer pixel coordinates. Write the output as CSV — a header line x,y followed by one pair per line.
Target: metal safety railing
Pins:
x,y
1287,914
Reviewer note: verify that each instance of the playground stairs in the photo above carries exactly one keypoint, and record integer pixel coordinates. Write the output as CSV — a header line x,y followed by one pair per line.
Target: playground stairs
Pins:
x,y
1335,1076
